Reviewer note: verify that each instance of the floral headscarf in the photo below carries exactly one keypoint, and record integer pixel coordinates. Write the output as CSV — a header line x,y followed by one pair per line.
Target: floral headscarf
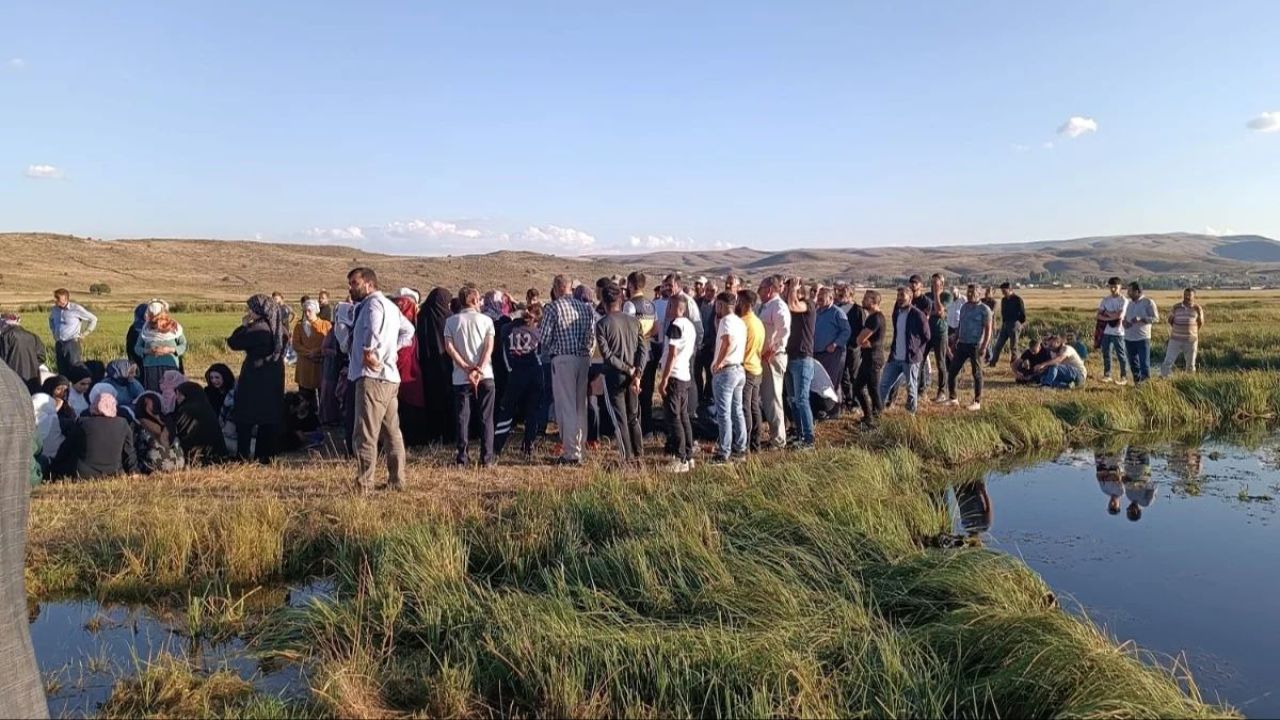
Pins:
x,y
277,318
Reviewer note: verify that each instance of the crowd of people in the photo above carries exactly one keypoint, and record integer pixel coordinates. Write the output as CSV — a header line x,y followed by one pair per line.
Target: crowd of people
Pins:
x,y
746,369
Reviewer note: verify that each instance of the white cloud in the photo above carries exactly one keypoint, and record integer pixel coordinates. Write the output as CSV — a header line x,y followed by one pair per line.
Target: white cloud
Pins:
x,y
43,172
1076,125
351,233
1267,122
1218,232
554,239
16,63
655,243
429,229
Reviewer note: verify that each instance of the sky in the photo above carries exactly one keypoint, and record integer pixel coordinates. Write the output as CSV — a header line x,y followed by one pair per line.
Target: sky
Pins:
x,y
580,127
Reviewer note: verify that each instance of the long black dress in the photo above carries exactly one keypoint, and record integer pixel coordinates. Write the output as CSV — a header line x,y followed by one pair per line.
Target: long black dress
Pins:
x,y
259,390
437,368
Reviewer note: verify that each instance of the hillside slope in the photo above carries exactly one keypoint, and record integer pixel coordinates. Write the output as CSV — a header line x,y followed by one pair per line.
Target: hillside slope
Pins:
x,y
35,263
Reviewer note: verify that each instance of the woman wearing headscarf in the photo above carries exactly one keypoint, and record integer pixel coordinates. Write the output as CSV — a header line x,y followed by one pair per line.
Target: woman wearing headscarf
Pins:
x,y
494,307
333,370
98,390
219,384
101,442
436,366
131,337
263,337
308,343
413,400
154,441
78,394
48,429
121,376
197,426
58,387
160,344
168,389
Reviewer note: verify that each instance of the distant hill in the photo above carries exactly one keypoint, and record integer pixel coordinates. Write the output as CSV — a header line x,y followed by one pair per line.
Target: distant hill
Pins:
x,y
35,263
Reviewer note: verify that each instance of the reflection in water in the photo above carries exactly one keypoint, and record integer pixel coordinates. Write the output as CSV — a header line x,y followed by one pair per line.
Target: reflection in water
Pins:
x,y
1196,580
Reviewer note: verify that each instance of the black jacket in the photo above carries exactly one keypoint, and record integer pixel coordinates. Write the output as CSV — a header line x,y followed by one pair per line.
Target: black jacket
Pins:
x,y
102,446
260,387
22,351
1012,310
918,333
621,347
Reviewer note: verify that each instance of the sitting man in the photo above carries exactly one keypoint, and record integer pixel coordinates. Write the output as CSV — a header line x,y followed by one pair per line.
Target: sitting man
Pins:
x,y
1064,369
1023,367
1081,349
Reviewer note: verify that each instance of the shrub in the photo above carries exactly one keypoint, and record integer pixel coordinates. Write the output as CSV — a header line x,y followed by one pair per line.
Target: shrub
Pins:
x,y
100,289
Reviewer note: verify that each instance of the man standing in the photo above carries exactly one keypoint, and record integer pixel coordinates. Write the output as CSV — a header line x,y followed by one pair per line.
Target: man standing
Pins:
x,y
326,310
70,323
625,352
971,346
752,367
1013,314
776,316
939,333
728,379
857,316
566,339
674,384
645,310
468,339
866,385
923,302
1139,316
21,350
831,335
1110,314
380,331
1185,320
910,338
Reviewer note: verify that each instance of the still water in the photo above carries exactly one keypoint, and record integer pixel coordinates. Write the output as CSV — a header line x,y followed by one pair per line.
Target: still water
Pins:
x,y
83,647
1175,547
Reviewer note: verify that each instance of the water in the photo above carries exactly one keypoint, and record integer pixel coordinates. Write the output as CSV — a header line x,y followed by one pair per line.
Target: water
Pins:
x,y
1184,561
83,648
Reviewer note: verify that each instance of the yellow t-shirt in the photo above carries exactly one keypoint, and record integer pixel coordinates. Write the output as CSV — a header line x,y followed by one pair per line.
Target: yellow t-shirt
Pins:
x,y
755,343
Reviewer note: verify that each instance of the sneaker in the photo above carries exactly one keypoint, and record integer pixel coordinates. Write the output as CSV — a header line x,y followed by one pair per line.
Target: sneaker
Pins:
x,y
1122,381
691,463
719,460
953,403
975,406
738,458
941,399
678,466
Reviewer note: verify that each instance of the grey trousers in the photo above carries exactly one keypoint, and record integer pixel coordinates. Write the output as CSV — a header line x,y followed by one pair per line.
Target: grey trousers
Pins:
x,y
569,388
21,691
377,415
771,399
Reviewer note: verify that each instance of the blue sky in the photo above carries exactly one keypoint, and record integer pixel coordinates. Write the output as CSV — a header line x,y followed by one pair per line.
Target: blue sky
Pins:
x,y
598,127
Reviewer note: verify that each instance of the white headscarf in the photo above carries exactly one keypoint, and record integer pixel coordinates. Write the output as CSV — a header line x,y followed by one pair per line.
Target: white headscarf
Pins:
x,y
47,425
314,307
343,318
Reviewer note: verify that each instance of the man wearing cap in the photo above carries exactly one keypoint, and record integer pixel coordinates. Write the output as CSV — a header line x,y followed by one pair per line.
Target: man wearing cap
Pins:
x,y
69,323
1013,314
21,350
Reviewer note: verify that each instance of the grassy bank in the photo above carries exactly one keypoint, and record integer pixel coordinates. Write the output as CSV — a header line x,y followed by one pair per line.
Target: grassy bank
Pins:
x,y
793,584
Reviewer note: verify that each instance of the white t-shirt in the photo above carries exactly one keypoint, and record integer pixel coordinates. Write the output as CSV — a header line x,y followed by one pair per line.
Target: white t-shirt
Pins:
x,y
683,337
1071,359
469,330
1145,308
953,312
1116,304
731,326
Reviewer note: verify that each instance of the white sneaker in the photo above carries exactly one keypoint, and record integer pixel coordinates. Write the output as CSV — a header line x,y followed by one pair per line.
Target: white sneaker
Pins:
x,y
1107,378
975,406
953,403
678,466
940,399
1122,381
691,463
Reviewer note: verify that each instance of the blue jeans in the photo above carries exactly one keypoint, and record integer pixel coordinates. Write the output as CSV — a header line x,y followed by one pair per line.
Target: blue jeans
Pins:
x,y
1110,344
800,378
901,371
1060,376
1139,358
727,386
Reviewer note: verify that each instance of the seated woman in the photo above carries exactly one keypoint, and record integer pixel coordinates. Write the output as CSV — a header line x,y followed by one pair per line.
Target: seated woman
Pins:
x,y
78,395
169,383
101,443
301,424
157,446
122,375
220,388
197,426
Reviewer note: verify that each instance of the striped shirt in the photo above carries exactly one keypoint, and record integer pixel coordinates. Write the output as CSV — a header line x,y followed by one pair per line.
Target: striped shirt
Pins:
x,y
1184,322
567,325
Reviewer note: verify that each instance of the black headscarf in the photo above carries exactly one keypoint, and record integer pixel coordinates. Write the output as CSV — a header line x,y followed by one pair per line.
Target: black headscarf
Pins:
x,y
277,318
433,315
218,396
148,412
197,425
